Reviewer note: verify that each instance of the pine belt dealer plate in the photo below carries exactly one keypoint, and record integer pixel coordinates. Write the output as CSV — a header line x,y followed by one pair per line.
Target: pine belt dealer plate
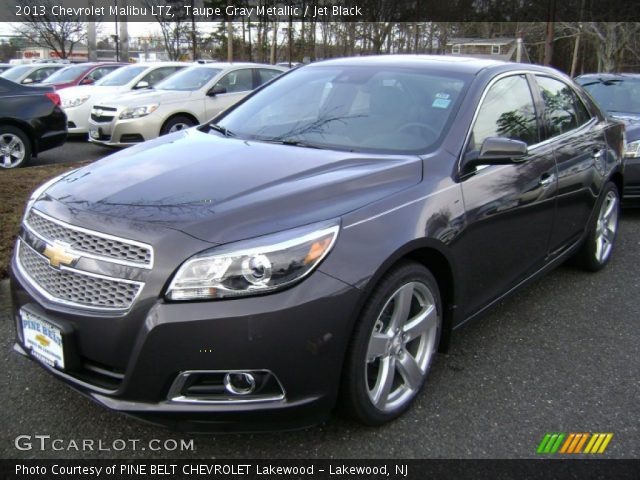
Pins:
x,y
42,339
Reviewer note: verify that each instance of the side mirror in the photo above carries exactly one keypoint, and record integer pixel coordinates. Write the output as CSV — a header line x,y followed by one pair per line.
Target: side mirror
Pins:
x,y
216,91
86,81
498,151
27,81
141,84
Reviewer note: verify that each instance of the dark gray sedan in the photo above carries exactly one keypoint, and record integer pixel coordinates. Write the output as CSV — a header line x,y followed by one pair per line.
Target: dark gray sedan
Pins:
x,y
316,244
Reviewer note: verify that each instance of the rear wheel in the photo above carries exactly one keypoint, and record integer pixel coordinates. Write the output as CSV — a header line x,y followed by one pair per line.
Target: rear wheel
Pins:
x,y
15,147
177,123
598,246
393,345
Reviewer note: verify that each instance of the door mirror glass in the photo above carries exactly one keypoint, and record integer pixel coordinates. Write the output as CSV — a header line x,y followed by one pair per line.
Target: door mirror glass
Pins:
x,y
217,90
141,84
27,81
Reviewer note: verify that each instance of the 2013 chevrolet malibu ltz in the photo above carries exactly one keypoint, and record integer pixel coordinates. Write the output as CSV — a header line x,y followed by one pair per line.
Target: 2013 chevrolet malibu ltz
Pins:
x,y
316,244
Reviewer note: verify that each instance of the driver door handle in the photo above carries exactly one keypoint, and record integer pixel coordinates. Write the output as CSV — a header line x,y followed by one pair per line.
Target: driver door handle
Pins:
x,y
547,180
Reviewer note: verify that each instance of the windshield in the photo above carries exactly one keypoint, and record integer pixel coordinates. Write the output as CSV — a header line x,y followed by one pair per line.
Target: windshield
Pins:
x,y
121,77
614,95
189,79
16,72
67,74
387,109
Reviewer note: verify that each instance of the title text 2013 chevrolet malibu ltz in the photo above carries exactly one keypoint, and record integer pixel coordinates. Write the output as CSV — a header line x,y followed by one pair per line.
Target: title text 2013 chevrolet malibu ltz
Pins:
x,y
316,244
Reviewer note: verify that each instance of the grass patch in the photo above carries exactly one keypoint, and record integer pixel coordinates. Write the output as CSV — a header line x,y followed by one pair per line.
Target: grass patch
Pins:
x,y
15,188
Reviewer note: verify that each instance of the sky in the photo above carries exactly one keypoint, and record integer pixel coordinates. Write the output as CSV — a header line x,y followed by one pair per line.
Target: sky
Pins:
x,y
136,29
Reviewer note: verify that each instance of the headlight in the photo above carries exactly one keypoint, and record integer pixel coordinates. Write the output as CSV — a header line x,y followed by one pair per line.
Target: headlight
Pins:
x,y
37,193
632,149
74,102
136,112
255,266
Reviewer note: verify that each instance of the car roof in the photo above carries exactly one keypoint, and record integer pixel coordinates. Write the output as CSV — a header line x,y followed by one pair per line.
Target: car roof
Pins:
x,y
453,63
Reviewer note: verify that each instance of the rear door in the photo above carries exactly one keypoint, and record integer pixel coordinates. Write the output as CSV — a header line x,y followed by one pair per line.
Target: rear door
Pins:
x,y
578,141
509,208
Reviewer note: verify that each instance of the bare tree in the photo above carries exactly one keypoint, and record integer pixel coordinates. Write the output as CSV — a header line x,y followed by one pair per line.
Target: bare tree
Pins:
x,y
176,27
49,31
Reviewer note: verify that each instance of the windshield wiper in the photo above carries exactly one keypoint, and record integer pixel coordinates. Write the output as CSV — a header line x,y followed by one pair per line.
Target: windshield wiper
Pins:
x,y
220,129
293,143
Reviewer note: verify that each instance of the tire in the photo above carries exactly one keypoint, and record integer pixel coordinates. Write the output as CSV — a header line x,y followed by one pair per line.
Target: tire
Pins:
x,y
15,147
177,123
385,342
596,251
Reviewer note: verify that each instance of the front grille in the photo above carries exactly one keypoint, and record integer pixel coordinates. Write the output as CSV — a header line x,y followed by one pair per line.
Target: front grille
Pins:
x,y
76,287
103,114
94,244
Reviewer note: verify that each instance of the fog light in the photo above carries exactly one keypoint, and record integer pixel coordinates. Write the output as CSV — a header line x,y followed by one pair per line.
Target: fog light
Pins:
x,y
239,383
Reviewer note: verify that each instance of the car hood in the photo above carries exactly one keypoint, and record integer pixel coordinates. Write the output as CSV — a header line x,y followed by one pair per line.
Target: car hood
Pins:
x,y
146,97
222,189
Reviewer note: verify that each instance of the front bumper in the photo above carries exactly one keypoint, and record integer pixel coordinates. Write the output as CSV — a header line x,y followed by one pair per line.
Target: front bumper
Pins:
x,y
300,335
123,133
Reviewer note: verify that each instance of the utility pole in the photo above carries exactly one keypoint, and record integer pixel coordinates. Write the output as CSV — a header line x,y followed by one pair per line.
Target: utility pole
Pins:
x,y
548,44
92,54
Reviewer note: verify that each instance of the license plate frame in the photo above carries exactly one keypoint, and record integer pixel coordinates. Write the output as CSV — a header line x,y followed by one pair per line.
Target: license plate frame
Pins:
x,y
44,339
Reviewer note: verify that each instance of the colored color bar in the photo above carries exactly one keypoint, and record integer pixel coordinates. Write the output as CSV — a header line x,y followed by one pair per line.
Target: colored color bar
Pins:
x,y
577,438
581,443
555,447
590,444
543,443
567,443
601,437
606,442
550,443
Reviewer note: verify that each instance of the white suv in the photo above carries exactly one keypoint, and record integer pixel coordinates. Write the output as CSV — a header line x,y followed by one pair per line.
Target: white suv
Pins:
x,y
78,101
188,98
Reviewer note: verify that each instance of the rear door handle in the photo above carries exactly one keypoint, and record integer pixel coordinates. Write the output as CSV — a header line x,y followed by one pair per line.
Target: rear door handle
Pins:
x,y
547,180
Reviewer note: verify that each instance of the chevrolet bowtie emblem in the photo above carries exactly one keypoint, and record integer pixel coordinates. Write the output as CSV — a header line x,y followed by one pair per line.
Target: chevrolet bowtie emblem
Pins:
x,y
42,340
58,255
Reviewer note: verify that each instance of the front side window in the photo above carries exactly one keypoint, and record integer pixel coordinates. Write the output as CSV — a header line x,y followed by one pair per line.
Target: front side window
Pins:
x,y
122,76
237,81
67,74
380,109
506,111
189,79
564,111
156,76
15,73
40,74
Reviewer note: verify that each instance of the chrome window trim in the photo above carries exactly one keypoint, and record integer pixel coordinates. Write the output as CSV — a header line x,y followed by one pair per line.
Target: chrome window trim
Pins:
x,y
35,285
512,73
106,236
176,387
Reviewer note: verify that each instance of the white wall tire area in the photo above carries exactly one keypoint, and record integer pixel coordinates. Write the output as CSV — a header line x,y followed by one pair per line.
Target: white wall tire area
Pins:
x,y
15,147
393,346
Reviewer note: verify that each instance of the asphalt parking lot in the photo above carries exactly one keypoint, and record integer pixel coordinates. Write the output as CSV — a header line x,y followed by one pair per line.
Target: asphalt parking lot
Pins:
x,y
562,355
75,149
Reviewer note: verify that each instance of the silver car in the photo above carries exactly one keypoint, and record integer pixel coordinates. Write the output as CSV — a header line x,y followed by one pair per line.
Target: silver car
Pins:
x,y
186,99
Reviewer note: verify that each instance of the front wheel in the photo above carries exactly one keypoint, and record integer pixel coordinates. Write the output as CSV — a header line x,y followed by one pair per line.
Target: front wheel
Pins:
x,y
177,123
393,345
598,246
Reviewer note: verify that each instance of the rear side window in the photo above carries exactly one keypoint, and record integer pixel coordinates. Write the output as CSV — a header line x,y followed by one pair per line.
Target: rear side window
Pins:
x,y
507,111
564,111
266,74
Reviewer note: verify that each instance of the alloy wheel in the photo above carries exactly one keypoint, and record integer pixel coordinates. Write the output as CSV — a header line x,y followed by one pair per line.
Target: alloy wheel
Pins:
x,y
12,150
606,226
178,126
401,346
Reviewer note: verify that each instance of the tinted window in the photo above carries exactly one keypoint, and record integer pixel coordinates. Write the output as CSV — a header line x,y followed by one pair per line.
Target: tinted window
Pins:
x,y
67,74
614,94
265,74
379,109
41,74
564,111
189,79
122,76
16,72
98,73
238,81
159,74
506,111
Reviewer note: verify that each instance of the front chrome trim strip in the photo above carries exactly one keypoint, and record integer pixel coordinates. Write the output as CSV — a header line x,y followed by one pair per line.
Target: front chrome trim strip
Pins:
x,y
106,236
174,395
68,303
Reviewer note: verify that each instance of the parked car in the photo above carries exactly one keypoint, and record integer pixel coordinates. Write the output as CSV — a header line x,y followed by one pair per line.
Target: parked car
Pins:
x,y
32,73
186,99
78,101
618,94
82,74
318,241
31,121
5,66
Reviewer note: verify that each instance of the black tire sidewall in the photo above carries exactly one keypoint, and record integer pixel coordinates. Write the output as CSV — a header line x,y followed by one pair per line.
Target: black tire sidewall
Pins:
x,y
25,141
355,398
172,121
